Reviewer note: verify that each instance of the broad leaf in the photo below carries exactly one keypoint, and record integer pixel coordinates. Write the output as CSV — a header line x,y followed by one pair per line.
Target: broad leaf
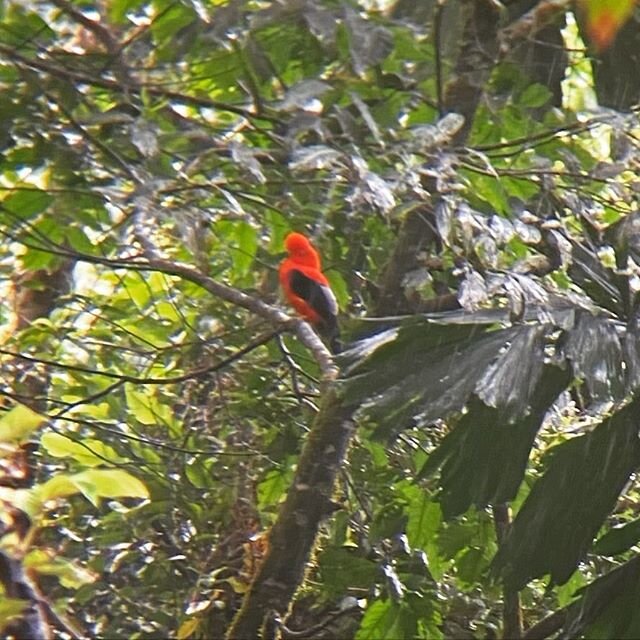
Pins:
x,y
19,423
484,458
618,539
607,609
565,508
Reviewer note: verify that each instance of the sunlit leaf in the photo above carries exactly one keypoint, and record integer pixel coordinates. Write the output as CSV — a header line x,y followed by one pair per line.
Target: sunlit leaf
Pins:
x,y
24,204
89,452
70,574
11,608
19,423
146,407
93,484
188,628
109,483
272,488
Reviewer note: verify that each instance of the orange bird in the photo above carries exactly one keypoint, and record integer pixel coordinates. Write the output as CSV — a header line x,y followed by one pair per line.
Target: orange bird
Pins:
x,y
307,288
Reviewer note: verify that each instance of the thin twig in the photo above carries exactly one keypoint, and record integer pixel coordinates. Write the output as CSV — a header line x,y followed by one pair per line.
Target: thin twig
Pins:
x,y
106,83
122,378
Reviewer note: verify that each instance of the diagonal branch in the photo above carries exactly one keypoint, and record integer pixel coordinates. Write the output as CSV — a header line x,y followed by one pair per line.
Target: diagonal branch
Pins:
x,y
269,312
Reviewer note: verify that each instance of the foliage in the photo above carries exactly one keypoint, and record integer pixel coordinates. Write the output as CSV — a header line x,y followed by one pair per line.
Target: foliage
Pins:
x,y
153,155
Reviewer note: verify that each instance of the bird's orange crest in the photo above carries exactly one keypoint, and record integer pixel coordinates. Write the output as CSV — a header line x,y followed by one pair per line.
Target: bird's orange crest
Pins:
x,y
301,250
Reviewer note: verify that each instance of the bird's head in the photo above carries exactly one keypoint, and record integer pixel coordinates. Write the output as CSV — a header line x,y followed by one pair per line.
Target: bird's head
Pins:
x,y
299,248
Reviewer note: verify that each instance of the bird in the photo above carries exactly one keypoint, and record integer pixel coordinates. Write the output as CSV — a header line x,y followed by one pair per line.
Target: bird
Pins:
x,y
307,288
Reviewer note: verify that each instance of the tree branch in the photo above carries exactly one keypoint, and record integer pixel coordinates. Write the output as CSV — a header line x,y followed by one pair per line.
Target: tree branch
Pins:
x,y
293,535
107,83
511,612
273,314
32,623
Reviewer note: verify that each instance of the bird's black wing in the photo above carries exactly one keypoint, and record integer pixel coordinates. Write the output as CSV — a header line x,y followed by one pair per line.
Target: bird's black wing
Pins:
x,y
319,297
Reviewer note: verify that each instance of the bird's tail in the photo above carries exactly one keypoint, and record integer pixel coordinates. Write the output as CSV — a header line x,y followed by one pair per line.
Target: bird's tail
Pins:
x,y
335,345
330,331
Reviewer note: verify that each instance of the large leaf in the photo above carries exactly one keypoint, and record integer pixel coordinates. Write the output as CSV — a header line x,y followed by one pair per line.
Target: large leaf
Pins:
x,y
595,352
566,507
89,452
17,424
93,484
509,382
608,607
344,568
598,282
424,372
618,539
631,350
484,458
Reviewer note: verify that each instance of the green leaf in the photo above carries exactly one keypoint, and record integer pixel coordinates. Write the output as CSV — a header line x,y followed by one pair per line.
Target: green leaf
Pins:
x,y
484,457
60,486
567,506
470,566
567,592
619,539
424,520
109,483
93,484
490,190
188,628
423,525
70,574
607,608
198,472
247,246
11,608
344,568
447,360
339,287
22,26
241,240
118,9
146,407
535,95
273,487
89,452
139,404
25,204
19,423
386,620
388,519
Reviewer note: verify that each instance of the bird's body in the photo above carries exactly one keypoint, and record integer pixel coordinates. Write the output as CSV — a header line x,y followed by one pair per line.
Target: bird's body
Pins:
x,y
307,289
